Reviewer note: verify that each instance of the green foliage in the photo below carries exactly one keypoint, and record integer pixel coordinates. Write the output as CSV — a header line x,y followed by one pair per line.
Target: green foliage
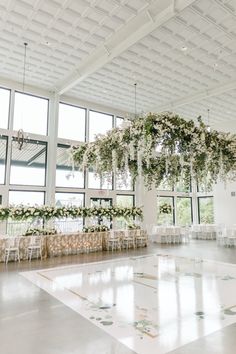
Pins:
x,y
48,212
187,150
95,228
40,231
165,208
206,210
184,216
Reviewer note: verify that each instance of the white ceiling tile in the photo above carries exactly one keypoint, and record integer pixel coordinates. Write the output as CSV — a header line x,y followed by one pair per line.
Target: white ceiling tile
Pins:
x,y
62,34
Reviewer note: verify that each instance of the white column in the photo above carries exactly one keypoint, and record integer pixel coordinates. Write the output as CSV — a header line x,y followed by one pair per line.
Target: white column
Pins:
x,y
52,149
147,199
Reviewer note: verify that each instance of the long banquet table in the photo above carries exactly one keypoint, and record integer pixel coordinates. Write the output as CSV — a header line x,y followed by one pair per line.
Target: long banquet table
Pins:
x,y
73,243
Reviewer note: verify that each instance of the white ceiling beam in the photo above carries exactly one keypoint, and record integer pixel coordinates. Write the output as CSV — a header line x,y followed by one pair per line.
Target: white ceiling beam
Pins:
x,y
214,91
148,20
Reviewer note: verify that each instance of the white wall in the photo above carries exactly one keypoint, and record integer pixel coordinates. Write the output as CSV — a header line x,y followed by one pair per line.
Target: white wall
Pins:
x,y
225,203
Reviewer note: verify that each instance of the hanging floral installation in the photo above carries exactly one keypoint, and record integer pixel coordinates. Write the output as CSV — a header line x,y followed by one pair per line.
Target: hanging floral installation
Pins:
x,y
161,147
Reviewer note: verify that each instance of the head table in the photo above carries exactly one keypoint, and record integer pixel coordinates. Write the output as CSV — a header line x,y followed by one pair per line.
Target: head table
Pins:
x,y
75,243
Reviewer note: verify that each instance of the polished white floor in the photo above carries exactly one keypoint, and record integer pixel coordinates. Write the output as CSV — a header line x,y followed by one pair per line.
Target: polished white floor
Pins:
x,y
152,304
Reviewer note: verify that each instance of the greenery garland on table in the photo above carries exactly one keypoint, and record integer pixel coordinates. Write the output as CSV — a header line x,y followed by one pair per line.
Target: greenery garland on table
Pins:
x,y
40,231
161,147
49,212
95,228
133,227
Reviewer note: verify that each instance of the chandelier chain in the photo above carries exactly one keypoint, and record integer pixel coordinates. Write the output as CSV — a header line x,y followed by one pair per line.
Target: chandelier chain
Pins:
x,y
23,86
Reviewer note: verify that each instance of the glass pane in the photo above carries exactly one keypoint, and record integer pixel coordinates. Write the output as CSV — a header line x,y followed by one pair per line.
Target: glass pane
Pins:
x,y
100,220
124,184
29,198
71,123
165,210
28,165
65,176
30,113
165,186
67,225
204,188
69,199
206,210
3,151
119,121
26,198
180,187
184,211
125,200
99,123
4,104
95,182
101,202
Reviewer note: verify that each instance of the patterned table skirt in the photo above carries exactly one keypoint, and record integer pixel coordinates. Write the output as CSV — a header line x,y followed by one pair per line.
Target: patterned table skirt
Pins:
x,y
75,243
24,243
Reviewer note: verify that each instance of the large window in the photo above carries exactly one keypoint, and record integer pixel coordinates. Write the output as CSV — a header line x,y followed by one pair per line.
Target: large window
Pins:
x,y
205,210
71,124
99,123
100,220
3,153
30,198
95,182
124,183
26,198
119,121
69,199
204,188
124,201
184,211
4,104
164,218
66,176
66,225
30,113
28,164
183,187
165,186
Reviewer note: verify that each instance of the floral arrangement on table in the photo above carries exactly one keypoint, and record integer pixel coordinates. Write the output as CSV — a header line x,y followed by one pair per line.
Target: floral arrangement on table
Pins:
x,y
133,227
161,147
49,212
39,231
95,228
165,208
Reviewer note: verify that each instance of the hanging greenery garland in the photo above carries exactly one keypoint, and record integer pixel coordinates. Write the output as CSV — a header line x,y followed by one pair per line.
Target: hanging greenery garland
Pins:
x,y
45,212
161,147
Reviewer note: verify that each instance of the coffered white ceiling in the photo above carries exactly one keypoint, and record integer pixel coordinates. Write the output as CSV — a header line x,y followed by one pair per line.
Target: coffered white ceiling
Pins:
x,y
181,54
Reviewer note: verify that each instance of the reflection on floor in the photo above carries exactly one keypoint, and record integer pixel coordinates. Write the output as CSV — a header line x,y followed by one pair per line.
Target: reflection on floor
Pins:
x,y
154,301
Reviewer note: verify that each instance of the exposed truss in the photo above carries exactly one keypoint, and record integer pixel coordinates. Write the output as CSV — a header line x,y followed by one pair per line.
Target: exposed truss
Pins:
x,y
146,21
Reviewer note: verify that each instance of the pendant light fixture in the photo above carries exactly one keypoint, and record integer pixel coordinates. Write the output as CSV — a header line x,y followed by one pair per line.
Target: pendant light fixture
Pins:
x,y
135,100
20,133
208,120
